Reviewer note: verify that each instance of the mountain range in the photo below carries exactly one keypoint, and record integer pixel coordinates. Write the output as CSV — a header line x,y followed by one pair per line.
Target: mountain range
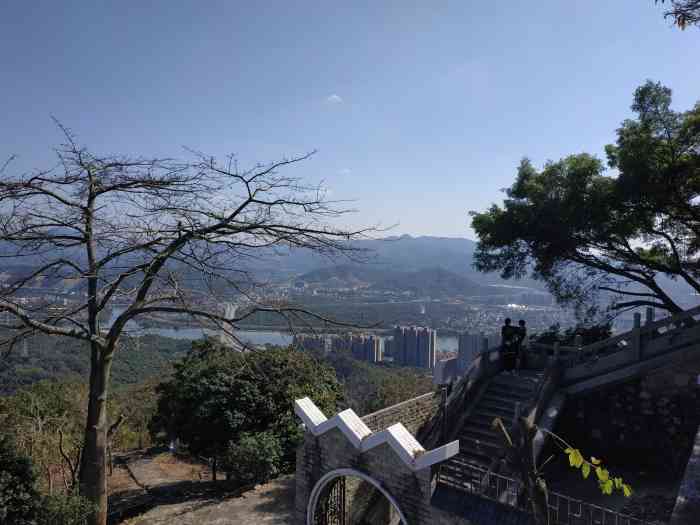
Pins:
x,y
433,281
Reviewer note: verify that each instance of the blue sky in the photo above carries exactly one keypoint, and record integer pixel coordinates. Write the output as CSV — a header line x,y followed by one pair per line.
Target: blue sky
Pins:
x,y
420,111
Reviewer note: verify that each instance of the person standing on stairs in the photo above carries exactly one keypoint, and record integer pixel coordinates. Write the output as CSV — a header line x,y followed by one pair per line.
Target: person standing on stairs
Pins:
x,y
508,344
520,344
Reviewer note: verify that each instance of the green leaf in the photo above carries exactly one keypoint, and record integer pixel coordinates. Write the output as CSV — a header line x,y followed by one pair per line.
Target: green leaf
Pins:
x,y
618,483
602,474
595,460
586,470
607,487
626,490
576,459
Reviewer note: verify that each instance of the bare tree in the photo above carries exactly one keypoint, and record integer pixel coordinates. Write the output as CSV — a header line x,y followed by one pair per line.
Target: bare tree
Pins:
x,y
683,12
155,237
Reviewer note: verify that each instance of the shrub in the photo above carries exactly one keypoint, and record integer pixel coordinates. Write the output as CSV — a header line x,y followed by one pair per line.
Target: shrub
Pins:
x,y
65,509
19,499
255,458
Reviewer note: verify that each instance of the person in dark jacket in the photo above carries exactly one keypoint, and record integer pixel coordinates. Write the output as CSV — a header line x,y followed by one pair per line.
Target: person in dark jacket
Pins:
x,y
520,344
509,335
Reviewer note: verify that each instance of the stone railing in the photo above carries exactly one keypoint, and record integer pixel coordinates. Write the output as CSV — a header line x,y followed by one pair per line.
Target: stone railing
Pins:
x,y
645,345
412,413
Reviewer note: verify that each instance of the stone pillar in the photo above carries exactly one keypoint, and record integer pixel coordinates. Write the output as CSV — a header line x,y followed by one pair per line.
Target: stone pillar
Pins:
x,y
649,315
636,340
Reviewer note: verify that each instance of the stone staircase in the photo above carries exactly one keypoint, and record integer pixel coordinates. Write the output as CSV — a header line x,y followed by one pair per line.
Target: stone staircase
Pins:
x,y
479,444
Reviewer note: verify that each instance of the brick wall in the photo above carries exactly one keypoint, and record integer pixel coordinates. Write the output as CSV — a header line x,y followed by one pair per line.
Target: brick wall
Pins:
x,y
413,413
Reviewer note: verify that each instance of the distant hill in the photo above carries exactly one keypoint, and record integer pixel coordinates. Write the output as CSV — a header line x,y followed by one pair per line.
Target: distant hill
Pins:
x,y
434,281
396,254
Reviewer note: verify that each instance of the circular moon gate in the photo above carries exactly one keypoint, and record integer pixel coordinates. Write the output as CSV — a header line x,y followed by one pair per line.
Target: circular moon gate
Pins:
x,y
333,474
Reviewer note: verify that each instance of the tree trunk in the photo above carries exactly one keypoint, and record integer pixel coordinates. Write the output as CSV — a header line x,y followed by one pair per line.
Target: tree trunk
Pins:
x,y
93,466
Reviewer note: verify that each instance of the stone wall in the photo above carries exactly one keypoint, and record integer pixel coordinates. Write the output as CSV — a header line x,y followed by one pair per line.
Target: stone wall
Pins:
x,y
654,417
413,413
687,507
332,450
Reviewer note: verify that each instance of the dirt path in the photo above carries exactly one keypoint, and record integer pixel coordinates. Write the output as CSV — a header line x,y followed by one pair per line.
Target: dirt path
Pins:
x,y
160,488
272,504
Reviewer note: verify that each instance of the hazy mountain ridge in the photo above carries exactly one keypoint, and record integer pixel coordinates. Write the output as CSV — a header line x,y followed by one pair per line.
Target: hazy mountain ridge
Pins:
x,y
435,281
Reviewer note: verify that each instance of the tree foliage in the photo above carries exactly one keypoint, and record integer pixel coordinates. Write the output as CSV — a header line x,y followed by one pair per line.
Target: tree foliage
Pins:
x,y
255,458
219,402
585,232
684,13
17,492
20,501
46,422
370,387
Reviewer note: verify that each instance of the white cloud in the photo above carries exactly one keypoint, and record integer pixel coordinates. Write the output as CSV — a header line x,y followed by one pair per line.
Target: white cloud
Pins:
x,y
334,99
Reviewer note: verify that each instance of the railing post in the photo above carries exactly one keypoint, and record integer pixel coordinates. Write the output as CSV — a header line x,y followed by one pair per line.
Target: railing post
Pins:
x,y
649,315
443,403
578,343
555,356
636,342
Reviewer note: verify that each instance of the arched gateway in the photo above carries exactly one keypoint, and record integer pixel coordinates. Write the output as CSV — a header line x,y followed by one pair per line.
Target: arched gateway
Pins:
x,y
389,463
330,480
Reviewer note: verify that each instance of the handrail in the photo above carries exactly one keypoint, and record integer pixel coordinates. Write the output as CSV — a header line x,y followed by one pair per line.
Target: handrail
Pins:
x,y
637,338
643,330
563,510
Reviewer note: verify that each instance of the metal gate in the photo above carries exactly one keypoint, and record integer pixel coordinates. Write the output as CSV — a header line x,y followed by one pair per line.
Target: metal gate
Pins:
x,y
331,504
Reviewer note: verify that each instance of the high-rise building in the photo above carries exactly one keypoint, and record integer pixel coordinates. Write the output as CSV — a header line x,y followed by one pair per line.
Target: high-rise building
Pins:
x,y
311,342
414,346
470,345
366,348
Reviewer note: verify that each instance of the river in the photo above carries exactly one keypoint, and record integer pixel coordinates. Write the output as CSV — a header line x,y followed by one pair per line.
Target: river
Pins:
x,y
253,337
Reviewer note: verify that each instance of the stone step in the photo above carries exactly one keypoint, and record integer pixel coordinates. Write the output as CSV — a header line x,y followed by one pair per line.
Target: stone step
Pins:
x,y
474,431
484,414
500,408
486,447
509,401
484,420
515,386
508,392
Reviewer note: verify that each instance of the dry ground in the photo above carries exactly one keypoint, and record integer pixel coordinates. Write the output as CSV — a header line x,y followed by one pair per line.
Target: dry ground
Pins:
x,y
160,489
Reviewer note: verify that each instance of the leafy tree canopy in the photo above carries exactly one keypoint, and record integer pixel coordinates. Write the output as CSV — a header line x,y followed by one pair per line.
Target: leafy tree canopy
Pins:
x,y
584,231
217,397
17,492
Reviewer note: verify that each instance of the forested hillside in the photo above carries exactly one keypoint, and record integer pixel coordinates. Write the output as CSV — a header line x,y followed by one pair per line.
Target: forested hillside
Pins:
x,y
46,357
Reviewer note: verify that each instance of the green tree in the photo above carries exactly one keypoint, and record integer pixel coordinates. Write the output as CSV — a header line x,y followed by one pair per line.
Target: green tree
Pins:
x,y
20,501
217,397
584,231
18,495
254,458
